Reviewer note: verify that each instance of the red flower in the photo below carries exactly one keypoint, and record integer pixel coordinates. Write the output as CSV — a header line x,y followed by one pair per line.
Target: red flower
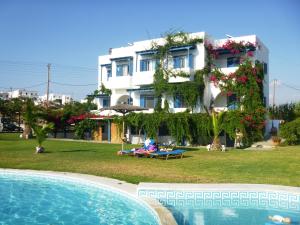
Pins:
x,y
213,78
250,54
242,79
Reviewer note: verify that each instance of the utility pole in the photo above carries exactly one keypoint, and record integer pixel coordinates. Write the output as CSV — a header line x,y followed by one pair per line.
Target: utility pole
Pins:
x,y
273,129
48,84
274,84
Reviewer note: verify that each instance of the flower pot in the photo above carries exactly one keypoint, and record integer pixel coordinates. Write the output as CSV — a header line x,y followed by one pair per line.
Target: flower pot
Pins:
x,y
39,149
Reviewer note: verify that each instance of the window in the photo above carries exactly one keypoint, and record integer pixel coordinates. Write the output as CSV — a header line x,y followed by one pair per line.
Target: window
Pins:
x,y
233,61
178,62
145,65
147,101
108,71
179,102
124,68
265,68
106,102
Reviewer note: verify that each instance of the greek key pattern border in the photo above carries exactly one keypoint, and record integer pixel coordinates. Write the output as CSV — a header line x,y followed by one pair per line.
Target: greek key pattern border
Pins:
x,y
221,199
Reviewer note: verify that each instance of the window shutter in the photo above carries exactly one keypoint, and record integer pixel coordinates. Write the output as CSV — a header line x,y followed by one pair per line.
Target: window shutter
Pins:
x,y
130,67
142,101
191,61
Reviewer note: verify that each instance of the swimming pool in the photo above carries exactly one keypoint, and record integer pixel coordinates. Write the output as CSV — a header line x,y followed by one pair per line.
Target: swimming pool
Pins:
x,y
226,204
29,198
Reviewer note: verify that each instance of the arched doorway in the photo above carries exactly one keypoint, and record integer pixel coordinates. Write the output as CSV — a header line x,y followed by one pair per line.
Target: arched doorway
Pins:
x,y
125,99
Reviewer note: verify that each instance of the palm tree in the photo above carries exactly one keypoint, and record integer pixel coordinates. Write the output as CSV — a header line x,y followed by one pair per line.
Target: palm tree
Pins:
x,y
216,122
41,132
29,117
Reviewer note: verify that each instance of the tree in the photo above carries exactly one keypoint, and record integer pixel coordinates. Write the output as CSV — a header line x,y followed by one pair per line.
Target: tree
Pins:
x,y
29,117
217,129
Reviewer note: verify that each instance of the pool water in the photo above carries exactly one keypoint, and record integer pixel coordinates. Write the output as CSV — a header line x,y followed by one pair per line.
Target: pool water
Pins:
x,y
36,200
193,214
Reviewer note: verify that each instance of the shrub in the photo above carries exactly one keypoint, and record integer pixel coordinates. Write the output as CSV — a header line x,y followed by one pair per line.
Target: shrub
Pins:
x,y
290,131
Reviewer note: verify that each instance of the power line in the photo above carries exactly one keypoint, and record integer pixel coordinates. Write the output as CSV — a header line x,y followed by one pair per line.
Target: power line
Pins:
x,y
289,86
74,85
35,85
42,64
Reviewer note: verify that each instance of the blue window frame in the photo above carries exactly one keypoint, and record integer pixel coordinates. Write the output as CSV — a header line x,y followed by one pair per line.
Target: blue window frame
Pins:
x,y
233,61
120,70
191,61
108,71
265,68
124,67
178,62
179,102
147,101
144,65
106,102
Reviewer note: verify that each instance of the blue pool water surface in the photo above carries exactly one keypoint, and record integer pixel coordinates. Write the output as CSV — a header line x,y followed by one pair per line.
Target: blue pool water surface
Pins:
x,y
188,215
34,200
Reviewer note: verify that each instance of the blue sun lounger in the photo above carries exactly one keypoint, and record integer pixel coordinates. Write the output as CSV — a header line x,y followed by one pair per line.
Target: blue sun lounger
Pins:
x,y
178,153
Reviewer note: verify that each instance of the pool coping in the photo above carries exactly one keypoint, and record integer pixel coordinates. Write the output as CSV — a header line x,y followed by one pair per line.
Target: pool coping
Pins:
x,y
217,187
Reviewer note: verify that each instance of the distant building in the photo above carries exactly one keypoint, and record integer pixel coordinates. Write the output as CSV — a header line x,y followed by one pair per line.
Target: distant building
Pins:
x,y
4,95
54,97
23,93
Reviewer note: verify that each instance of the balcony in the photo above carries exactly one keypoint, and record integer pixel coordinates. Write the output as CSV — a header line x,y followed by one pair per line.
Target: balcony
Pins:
x,y
118,82
143,78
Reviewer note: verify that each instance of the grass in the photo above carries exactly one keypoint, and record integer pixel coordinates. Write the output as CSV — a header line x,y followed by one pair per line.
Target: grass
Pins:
x,y
280,166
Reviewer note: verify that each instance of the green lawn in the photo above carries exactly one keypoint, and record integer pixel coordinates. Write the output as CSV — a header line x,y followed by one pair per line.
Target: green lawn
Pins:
x,y
280,166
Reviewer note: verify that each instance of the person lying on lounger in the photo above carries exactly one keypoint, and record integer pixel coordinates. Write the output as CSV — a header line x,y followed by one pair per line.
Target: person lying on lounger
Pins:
x,y
148,147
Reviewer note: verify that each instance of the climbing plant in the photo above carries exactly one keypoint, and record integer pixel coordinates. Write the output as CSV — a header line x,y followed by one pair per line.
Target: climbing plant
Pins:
x,y
192,90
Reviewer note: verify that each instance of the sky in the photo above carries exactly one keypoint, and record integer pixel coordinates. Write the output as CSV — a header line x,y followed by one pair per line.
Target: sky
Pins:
x,y
72,34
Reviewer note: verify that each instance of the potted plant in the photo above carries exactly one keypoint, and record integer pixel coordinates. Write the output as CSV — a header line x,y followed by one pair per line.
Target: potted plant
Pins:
x,y
276,140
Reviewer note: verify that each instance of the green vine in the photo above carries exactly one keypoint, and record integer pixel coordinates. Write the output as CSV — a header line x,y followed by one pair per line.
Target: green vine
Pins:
x,y
191,91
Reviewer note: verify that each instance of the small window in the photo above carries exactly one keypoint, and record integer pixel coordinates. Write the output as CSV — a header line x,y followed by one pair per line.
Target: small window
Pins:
x,y
147,101
178,62
179,102
108,71
233,61
106,102
144,65
265,68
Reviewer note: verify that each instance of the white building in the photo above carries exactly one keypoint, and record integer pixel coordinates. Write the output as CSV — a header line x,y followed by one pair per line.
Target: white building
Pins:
x,y
23,93
4,95
54,97
128,71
